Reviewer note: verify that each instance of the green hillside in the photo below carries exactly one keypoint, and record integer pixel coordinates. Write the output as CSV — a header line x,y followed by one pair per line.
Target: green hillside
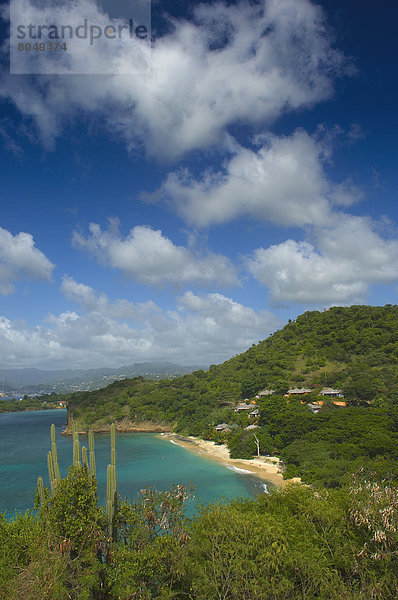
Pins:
x,y
334,539
323,348
354,349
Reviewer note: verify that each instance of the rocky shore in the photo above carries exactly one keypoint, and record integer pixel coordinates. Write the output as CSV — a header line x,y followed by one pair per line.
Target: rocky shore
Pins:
x,y
126,426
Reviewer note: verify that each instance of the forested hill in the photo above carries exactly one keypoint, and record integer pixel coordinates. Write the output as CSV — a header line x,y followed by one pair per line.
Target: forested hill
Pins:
x,y
335,347
354,349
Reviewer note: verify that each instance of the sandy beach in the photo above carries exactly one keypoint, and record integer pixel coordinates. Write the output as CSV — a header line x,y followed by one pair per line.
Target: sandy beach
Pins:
x,y
264,467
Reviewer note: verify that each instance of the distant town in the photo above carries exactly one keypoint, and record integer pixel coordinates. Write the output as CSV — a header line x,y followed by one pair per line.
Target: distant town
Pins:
x,y
17,383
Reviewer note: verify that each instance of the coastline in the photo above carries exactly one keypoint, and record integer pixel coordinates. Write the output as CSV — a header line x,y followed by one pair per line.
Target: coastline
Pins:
x,y
125,426
266,468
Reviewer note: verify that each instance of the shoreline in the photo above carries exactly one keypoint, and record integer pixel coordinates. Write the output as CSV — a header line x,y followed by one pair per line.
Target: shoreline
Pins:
x,y
125,426
265,468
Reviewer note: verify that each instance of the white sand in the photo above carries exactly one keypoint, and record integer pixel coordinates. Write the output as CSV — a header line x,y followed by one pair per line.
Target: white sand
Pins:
x,y
263,467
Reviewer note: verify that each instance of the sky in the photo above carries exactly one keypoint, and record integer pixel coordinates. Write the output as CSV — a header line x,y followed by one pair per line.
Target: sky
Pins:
x,y
186,212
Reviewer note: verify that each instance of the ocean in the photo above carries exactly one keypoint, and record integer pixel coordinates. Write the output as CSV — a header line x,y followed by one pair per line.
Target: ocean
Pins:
x,y
143,460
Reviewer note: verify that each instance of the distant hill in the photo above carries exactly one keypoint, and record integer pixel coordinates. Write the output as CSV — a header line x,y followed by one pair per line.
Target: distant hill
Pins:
x,y
66,379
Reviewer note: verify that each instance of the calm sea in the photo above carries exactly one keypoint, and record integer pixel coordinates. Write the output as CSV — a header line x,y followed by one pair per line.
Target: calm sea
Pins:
x,y
143,460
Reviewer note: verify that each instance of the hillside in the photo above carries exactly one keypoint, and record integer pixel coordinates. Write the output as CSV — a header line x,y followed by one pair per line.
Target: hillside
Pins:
x,y
300,541
354,348
323,348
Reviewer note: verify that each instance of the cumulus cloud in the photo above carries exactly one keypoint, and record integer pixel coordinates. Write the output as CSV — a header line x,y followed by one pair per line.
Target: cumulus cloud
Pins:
x,y
19,258
246,63
149,257
349,257
215,326
202,329
283,182
93,302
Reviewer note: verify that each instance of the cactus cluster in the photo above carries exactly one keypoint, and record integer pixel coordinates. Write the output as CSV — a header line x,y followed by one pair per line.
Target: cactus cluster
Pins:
x,y
54,473
88,461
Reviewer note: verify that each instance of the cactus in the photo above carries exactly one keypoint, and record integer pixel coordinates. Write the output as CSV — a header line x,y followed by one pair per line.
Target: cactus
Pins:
x,y
111,497
111,484
84,458
92,453
76,446
51,472
54,454
113,445
40,490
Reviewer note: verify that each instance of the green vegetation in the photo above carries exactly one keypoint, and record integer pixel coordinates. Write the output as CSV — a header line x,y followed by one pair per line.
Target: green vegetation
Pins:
x,y
354,348
293,544
336,538
40,403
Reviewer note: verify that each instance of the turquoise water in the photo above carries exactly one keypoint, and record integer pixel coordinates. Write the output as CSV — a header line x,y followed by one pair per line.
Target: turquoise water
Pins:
x,y
143,460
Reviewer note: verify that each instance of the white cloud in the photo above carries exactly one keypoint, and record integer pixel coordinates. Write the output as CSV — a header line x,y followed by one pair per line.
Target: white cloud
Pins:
x,y
283,182
215,326
296,272
93,302
19,258
202,330
246,63
350,257
149,257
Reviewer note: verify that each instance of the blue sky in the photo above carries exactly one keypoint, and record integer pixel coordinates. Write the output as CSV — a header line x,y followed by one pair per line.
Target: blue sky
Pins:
x,y
184,214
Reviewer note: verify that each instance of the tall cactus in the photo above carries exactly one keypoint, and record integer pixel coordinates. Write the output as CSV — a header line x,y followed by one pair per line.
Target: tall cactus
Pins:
x,y
84,458
54,454
111,484
40,490
92,453
51,472
76,446
113,444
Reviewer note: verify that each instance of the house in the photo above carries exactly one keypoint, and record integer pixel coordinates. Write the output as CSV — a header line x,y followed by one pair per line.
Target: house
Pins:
x,y
222,427
254,413
244,406
265,392
251,427
298,391
331,393
315,406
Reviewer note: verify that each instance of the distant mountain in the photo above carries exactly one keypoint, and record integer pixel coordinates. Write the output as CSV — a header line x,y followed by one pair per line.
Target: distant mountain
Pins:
x,y
19,379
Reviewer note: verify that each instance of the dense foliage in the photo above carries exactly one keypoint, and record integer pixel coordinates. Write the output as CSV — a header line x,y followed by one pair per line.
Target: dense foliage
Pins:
x,y
26,403
293,544
354,348
336,539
